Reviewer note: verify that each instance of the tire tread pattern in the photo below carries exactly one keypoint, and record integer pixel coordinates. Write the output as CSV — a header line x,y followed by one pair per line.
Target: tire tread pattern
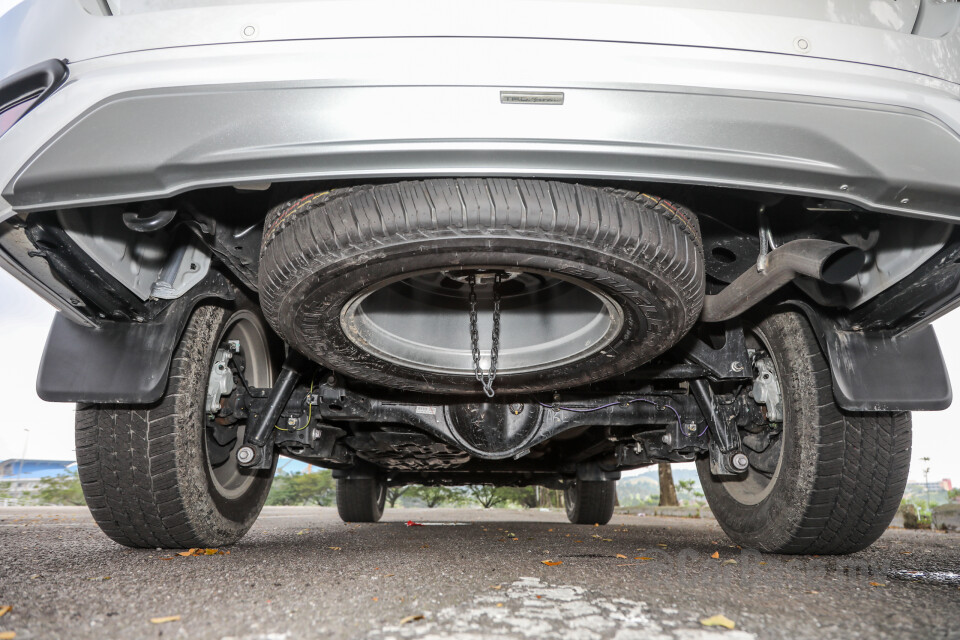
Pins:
x,y
130,458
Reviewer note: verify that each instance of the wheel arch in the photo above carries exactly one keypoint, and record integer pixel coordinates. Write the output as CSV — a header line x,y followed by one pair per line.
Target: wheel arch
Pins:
x,y
880,371
120,362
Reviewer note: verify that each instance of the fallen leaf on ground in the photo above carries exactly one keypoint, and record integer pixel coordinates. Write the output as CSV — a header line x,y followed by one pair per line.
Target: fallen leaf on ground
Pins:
x,y
499,604
620,555
552,563
718,621
605,540
411,523
763,563
201,552
163,619
729,562
643,558
877,584
715,555
302,531
660,544
411,619
596,524
5,609
8,635
812,591
389,575
334,548
496,586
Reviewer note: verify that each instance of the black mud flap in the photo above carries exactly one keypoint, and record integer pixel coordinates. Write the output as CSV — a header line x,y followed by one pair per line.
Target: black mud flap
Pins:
x,y
118,362
882,371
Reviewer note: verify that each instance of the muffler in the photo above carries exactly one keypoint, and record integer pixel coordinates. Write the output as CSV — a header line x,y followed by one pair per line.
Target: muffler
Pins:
x,y
830,262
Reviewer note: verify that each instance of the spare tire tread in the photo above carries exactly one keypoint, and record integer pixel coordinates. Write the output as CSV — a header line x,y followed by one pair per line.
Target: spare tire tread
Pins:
x,y
309,234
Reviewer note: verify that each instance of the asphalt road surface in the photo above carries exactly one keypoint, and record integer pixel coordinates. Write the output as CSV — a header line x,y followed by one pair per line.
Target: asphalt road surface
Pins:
x,y
301,573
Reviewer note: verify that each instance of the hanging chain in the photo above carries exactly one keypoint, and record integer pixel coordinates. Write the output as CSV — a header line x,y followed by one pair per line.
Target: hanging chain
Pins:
x,y
485,380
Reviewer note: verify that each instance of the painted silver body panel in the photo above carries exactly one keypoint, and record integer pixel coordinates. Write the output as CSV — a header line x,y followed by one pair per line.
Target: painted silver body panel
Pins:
x,y
155,123
875,33
804,98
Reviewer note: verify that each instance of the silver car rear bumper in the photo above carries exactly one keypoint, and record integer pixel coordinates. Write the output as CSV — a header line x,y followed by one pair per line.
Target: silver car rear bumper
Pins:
x,y
154,123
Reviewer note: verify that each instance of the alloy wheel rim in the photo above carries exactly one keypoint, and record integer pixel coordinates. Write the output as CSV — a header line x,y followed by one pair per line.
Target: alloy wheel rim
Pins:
x,y
421,320
229,479
754,485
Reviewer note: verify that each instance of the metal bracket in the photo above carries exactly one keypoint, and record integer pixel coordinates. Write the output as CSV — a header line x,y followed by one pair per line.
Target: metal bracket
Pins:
x,y
729,362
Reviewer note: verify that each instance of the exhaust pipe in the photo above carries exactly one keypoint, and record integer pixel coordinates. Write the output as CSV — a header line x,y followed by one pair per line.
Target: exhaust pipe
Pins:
x,y
830,262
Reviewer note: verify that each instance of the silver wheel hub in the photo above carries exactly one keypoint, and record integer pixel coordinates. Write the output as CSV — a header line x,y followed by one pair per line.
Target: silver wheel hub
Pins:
x,y
221,377
766,389
422,320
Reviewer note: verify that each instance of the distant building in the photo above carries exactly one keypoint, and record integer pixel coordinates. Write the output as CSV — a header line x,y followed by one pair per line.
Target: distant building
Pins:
x,y
19,476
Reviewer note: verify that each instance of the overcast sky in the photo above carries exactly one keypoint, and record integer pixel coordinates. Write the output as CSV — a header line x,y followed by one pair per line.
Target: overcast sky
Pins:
x,y
25,318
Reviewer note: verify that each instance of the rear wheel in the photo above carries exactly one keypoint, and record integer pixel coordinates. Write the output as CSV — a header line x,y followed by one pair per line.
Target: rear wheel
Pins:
x,y
165,474
361,499
590,502
821,480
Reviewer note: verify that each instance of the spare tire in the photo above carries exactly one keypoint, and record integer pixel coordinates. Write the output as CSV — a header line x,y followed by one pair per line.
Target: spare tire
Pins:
x,y
374,281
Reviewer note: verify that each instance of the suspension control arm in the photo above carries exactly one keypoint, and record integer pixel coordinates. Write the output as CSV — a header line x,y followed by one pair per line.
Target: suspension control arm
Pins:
x,y
725,455
253,453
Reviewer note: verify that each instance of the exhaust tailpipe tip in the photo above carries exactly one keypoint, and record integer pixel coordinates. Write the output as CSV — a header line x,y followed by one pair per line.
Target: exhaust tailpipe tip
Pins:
x,y
842,264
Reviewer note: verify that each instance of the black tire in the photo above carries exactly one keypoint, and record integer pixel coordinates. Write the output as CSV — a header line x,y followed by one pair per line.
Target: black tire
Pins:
x,y
324,250
590,502
840,475
361,500
145,470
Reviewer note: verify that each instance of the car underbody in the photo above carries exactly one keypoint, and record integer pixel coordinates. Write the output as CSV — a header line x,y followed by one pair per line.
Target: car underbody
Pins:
x,y
463,253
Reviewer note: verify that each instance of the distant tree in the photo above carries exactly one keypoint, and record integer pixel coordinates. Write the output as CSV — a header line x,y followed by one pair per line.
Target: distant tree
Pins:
x,y
394,493
668,492
58,490
5,490
525,497
436,496
297,489
488,496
